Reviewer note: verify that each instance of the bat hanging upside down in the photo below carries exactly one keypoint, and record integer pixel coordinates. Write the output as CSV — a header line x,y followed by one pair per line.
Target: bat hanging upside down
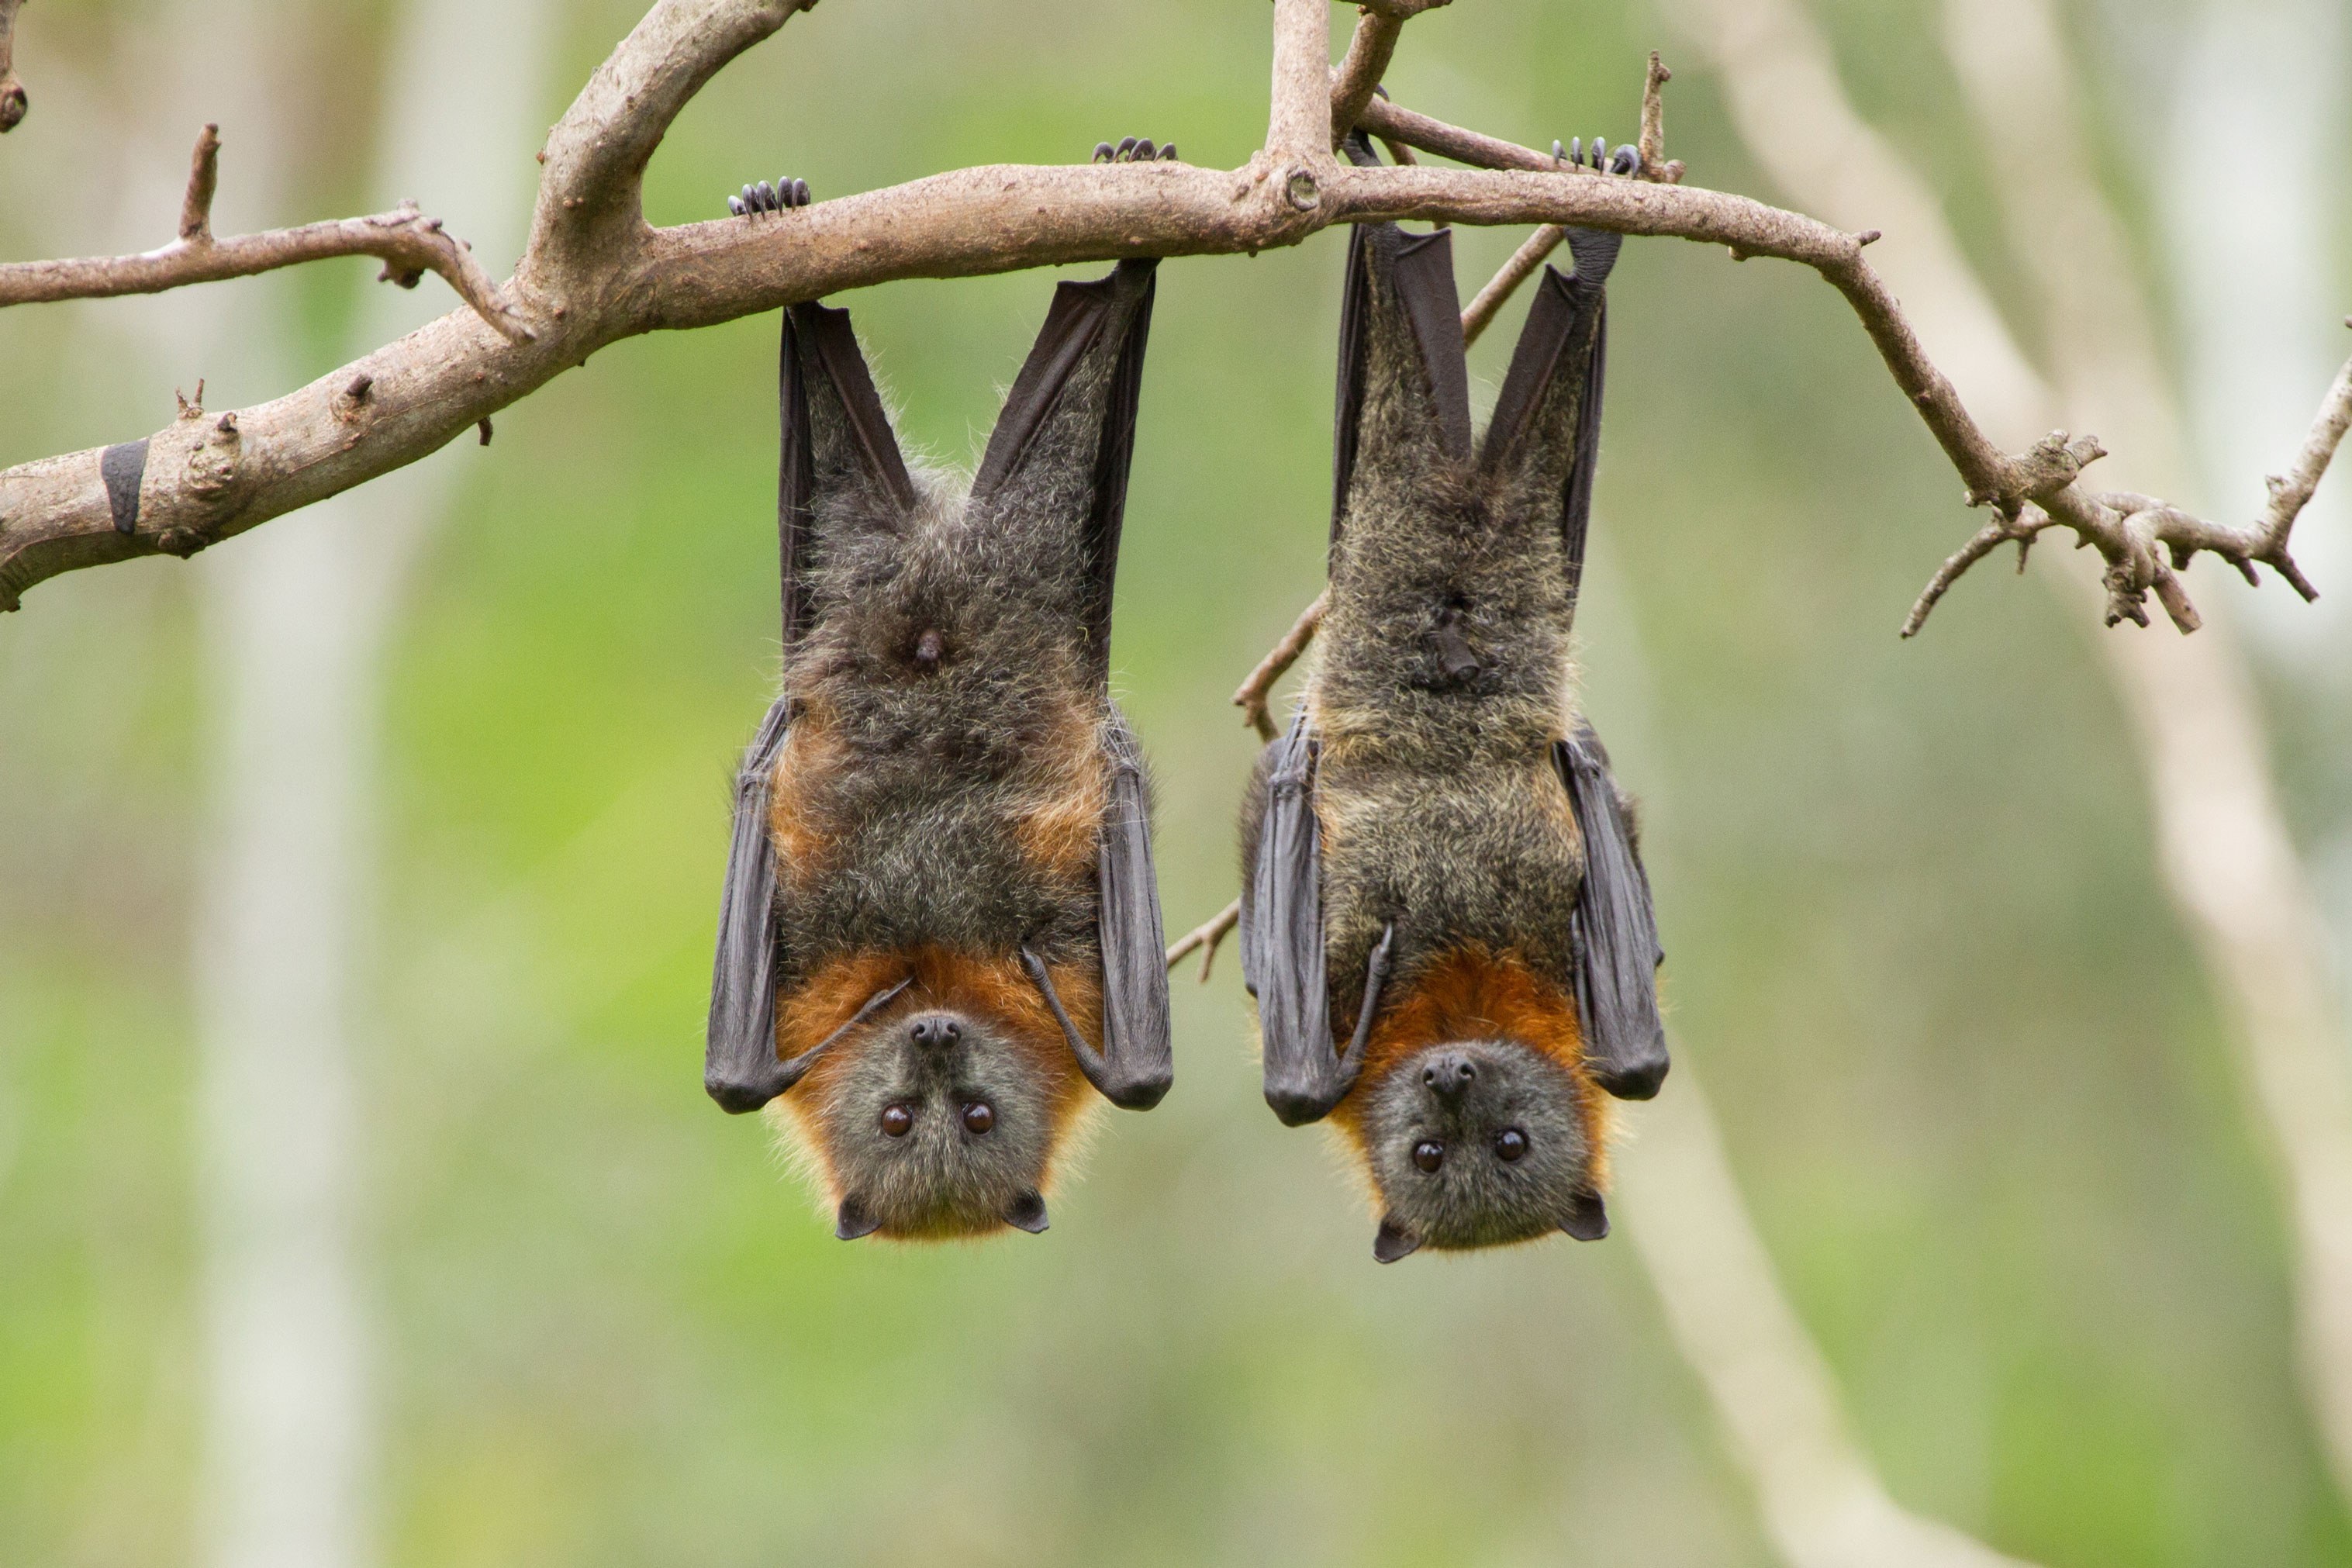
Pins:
x,y
1445,917
941,923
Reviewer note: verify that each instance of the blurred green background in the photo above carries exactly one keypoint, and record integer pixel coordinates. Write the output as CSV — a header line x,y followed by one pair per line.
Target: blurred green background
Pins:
x,y
1975,1087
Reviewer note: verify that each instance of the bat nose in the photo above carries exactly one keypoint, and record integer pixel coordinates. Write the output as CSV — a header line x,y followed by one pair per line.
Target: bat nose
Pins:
x,y
1449,1075
935,1031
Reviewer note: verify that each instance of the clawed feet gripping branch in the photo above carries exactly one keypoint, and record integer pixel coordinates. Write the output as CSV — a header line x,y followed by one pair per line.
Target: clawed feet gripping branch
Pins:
x,y
595,272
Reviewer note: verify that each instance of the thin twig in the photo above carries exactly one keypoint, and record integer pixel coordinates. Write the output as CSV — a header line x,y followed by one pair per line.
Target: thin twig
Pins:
x,y
408,244
1480,310
1251,698
1205,938
1653,142
203,179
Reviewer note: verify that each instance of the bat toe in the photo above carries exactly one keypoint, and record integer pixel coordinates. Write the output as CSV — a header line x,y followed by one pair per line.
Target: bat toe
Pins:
x,y
1134,150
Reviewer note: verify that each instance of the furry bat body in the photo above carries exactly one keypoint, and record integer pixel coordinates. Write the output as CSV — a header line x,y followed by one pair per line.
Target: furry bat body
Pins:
x,y
941,923
1444,914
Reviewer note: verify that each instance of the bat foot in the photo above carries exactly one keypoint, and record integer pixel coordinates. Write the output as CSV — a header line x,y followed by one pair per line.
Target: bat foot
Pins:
x,y
1134,150
762,198
1625,160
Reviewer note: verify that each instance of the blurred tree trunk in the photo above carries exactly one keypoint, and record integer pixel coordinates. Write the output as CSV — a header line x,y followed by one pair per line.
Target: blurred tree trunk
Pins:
x,y
295,626
2259,90
2223,845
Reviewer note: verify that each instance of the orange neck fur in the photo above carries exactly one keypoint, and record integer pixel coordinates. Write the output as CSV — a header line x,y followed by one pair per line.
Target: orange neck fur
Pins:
x,y
997,989
1469,994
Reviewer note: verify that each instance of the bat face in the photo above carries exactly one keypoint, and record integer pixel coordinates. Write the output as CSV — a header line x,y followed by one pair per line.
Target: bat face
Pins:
x,y
942,1112
938,1121
1480,1143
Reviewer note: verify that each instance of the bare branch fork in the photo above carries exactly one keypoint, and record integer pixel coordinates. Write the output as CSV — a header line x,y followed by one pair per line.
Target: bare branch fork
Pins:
x,y
594,272
408,244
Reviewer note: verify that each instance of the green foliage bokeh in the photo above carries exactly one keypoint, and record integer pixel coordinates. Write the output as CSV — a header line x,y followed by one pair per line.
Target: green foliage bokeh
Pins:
x,y
1975,1087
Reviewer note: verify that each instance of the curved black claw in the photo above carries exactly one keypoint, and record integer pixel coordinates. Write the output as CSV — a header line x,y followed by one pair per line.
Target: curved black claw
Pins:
x,y
762,198
1625,160
1134,150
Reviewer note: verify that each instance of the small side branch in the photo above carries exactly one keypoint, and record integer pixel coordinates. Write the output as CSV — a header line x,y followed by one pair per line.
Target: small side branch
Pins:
x,y
1203,938
1251,698
1357,76
14,104
2148,541
408,244
1653,144
1480,310
203,179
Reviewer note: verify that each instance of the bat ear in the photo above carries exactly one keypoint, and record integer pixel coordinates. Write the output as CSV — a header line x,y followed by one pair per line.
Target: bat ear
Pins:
x,y
1392,1241
1058,457
1588,1216
1403,401
1027,1212
854,1219
1545,437
838,453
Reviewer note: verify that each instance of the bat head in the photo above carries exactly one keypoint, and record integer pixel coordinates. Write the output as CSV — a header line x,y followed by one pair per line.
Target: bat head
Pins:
x,y
1477,1143
935,1122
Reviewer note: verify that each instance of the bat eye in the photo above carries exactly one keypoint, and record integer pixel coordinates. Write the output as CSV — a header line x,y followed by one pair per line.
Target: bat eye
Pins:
x,y
1428,1155
978,1116
1510,1144
896,1120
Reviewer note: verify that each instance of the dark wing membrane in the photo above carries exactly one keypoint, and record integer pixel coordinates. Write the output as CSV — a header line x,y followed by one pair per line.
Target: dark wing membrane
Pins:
x,y
836,441
1137,1062
1075,451
1547,423
739,1069
1617,952
1415,292
1282,943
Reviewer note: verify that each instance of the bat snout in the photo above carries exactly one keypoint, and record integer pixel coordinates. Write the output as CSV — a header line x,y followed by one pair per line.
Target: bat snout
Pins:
x,y
1449,1075
935,1031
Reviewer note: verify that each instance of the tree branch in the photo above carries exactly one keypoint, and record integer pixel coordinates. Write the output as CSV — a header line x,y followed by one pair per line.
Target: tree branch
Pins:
x,y
13,105
1251,698
1298,124
1480,312
594,273
2029,492
1357,76
408,244
1204,938
591,214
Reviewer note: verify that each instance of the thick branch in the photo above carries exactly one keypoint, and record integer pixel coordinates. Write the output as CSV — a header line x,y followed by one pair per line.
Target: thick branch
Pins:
x,y
1298,123
409,245
12,101
591,201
